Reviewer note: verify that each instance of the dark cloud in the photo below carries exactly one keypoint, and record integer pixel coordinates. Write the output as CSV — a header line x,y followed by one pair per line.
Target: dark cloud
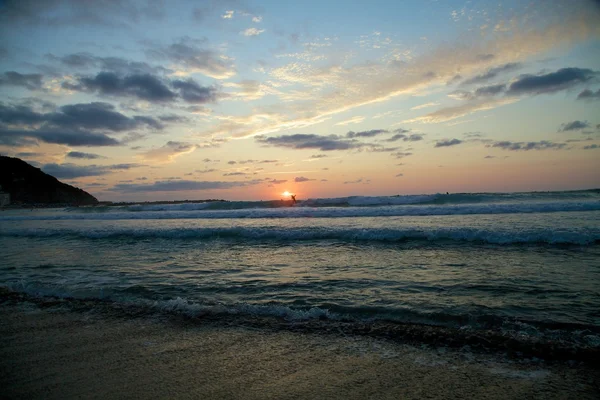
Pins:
x,y
113,64
574,126
316,156
87,156
70,171
300,179
564,78
235,174
402,154
278,181
147,87
381,149
70,138
97,115
143,86
399,175
73,124
492,73
371,133
173,118
189,55
205,171
588,94
491,90
310,141
448,142
361,180
192,92
115,13
29,81
526,146
591,146
179,185
28,154
406,138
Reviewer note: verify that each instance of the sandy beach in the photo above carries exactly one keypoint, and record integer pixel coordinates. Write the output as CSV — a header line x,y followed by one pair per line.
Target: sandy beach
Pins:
x,y
60,353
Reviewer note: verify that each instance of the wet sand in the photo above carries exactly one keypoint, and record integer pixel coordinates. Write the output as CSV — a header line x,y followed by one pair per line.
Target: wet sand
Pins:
x,y
57,353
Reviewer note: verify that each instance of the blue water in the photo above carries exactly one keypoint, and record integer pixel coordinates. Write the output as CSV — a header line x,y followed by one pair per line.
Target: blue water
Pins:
x,y
520,263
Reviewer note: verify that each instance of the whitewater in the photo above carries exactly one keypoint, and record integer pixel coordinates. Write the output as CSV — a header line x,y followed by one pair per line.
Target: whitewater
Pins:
x,y
524,266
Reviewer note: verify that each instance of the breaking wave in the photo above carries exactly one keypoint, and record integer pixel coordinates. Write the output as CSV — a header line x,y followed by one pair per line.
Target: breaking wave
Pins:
x,y
432,234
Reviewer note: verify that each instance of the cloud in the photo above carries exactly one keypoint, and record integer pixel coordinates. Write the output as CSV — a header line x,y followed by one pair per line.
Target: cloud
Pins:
x,y
228,14
564,78
354,120
278,181
143,86
169,151
399,175
341,86
81,155
371,133
526,146
118,13
192,92
235,173
402,154
117,65
252,32
205,171
448,142
74,117
591,146
70,171
16,137
492,73
180,185
189,57
310,141
587,94
360,180
29,81
300,179
432,104
450,113
574,126
406,138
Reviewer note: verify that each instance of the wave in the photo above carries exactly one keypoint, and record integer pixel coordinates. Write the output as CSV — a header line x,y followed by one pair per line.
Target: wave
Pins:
x,y
317,212
353,201
486,332
458,234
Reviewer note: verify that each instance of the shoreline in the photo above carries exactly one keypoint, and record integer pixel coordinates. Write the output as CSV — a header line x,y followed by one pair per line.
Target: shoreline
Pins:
x,y
60,351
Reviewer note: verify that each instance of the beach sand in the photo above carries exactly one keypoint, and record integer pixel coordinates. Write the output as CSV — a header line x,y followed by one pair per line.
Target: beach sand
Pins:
x,y
60,353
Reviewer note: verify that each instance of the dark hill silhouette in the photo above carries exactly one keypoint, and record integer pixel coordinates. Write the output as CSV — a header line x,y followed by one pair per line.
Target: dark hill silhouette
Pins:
x,y
29,185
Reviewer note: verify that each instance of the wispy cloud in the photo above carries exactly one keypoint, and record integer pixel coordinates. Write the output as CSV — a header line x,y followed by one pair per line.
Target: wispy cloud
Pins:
x,y
252,32
168,152
354,120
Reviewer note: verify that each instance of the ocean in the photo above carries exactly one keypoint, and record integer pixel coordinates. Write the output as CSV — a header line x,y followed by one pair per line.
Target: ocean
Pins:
x,y
518,270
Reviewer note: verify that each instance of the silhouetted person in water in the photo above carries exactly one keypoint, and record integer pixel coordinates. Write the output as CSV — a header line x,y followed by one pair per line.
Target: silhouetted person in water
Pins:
x,y
293,198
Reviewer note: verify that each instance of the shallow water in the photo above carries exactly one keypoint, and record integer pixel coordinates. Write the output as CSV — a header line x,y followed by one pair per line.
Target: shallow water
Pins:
x,y
531,269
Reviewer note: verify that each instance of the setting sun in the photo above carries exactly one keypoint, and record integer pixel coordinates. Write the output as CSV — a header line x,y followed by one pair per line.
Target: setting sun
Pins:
x,y
286,194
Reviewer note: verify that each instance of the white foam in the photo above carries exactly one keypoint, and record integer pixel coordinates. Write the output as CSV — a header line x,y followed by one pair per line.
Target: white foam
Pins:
x,y
317,212
431,234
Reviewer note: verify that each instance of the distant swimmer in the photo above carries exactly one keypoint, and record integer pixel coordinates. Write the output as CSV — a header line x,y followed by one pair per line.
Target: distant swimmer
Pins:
x,y
293,196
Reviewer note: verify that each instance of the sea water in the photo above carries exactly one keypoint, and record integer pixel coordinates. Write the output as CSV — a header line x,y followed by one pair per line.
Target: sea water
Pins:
x,y
524,265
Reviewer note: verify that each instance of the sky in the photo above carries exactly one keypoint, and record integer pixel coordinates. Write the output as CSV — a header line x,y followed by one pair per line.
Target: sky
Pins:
x,y
142,100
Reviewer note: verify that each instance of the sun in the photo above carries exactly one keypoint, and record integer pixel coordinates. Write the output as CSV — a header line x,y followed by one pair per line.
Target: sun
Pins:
x,y
286,194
